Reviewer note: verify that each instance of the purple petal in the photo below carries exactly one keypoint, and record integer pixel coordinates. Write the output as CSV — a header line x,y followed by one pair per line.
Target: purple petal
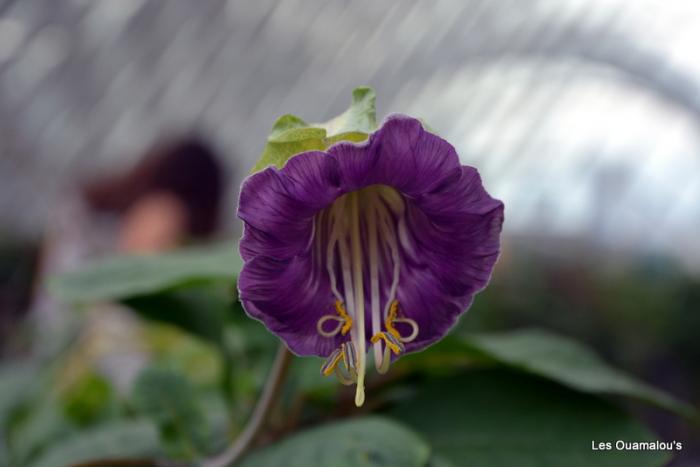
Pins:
x,y
449,233
289,301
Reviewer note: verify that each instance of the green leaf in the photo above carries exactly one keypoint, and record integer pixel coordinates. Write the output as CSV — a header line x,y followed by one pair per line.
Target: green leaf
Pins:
x,y
201,310
286,123
118,440
371,441
129,276
20,383
290,135
439,461
361,117
88,400
306,376
15,379
199,361
282,145
44,424
499,418
169,399
569,363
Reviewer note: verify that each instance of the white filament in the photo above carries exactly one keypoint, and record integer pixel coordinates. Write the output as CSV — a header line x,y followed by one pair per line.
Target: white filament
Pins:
x,y
330,252
374,283
389,237
382,359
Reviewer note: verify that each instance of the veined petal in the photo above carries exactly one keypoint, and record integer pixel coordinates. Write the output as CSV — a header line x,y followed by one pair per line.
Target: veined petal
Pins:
x,y
275,224
289,298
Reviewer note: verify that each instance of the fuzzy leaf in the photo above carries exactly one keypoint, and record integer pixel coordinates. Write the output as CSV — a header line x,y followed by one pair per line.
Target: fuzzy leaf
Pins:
x,y
546,355
290,135
284,124
119,440
169,399
361,117
498,418
128,276
363,442
282,145
569,363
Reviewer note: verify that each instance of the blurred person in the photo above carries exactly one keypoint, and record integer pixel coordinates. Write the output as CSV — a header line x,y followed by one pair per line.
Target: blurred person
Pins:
x,y
170,198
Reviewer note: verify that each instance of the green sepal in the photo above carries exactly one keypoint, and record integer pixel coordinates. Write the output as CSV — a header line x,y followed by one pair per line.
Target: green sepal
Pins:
x,y
361,117
290,135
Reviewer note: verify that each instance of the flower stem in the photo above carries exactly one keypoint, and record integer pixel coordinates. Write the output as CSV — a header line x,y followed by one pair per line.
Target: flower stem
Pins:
x,y
273,385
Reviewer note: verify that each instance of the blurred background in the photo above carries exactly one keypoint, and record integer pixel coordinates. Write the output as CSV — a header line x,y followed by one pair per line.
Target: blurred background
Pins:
x,y
583,116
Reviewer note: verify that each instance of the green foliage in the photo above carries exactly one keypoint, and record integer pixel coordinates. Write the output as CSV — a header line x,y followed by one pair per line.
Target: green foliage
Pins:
x,y
196,359
497,418
570,363
43,425
286,140
217,419
117,440
290,135
361,117
538,403
201,310
25,425
306,376
16,383
88,400
439,461
169,399
193,289
370,441
544,354
129,276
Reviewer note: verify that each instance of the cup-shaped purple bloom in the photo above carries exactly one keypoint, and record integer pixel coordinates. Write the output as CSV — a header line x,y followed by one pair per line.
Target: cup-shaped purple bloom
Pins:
x,y
382,244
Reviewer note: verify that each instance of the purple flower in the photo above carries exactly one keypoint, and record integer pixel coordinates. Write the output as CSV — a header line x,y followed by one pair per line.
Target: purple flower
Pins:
x,y
381,244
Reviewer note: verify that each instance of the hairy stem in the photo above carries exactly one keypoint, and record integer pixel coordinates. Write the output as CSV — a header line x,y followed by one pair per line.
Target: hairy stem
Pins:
x,y
273,385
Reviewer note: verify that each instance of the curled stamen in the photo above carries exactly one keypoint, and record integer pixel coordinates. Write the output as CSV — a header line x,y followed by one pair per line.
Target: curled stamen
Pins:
x,y
394,343
344,322
349,356
414,329
393,340
383,365
346,378
392,318
390,341
323,320
331,362
347,373
340,309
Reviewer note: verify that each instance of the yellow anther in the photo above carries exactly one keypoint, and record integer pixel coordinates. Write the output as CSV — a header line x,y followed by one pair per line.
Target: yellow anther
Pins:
x,y
346,354
340,309
391,316
331,362
343,322
392,344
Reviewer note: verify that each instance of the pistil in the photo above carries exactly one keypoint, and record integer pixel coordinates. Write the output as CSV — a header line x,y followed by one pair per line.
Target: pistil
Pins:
x,y
359,299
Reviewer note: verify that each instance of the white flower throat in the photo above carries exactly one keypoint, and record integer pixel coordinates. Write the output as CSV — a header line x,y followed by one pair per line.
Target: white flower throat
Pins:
x,y
360,236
